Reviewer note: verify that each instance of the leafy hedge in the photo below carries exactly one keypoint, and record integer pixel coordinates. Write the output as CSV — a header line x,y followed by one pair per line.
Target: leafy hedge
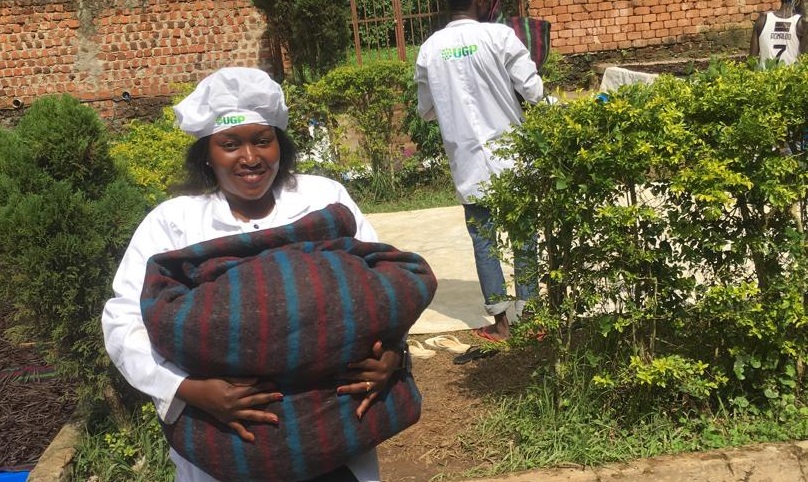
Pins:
x,y
153,154
671,223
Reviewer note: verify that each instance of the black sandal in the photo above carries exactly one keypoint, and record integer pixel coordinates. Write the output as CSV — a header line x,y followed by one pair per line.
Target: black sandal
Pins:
x,y
474,353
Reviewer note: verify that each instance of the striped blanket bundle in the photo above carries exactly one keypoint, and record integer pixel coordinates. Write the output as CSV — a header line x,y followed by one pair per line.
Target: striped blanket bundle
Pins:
x,y
293,305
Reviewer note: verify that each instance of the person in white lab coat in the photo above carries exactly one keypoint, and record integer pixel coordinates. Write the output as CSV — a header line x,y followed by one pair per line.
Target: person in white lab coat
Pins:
x,y
470,75
240,179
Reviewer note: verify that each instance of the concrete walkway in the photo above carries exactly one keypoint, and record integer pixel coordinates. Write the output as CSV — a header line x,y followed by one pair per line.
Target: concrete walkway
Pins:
x,y
439,235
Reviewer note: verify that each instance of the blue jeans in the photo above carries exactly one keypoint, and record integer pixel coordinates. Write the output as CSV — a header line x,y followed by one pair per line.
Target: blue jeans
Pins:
x,y
489,269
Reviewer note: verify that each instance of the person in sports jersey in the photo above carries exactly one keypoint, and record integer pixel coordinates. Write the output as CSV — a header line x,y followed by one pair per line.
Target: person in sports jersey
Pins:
x,y
779,36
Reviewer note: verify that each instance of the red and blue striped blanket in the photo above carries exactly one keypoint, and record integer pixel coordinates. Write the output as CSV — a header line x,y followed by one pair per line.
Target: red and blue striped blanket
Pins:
x,y
293,305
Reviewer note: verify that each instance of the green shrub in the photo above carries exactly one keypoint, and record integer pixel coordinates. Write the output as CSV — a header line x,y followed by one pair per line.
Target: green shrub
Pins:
x,y
368,100
314,33
307,127
19,170
671,230
153,153
554,72
425,134
68,142
60,244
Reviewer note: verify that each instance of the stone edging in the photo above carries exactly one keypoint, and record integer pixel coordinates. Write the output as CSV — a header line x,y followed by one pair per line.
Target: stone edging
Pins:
x,y
55,464
781,462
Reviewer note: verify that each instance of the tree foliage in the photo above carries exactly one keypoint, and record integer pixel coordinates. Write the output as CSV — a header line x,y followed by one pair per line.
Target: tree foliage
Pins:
x,y
314,33
66,215
371,96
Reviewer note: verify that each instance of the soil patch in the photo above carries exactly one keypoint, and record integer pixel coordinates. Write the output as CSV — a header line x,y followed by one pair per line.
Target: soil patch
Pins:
x,y
34,404
454,400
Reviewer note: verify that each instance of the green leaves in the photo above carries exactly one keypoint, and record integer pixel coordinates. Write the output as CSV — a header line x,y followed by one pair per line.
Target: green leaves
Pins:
x,y
66,214
368,98
670,221
314,33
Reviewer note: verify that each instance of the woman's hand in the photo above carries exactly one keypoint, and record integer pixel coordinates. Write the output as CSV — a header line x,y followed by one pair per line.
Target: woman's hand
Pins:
x,y
231,401
371,375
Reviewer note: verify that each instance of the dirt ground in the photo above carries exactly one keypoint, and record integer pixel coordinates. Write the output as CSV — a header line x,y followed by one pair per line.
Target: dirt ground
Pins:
x,y
453,401
34,407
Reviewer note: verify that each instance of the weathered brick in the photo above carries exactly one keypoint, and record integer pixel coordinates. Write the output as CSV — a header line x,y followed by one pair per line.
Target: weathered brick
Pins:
x,y
153,44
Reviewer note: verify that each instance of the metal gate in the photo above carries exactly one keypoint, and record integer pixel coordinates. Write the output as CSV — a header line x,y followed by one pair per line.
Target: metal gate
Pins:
x,y
394,29
388,30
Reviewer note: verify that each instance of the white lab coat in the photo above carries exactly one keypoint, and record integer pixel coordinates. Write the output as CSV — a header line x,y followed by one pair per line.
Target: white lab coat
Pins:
x,y
468,74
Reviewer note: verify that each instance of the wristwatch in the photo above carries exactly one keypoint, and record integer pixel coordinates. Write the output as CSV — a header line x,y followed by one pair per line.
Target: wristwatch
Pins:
x,y
406,362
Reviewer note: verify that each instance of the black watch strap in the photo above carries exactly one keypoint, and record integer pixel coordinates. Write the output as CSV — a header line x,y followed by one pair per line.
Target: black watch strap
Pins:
x,y
406,361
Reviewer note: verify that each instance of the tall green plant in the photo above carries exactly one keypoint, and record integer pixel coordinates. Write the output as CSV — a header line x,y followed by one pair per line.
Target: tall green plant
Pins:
x,y
425,134
68,143
670,219
62,233
314,33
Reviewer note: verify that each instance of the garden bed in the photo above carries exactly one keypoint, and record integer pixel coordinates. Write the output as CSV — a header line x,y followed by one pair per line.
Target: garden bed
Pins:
x,y
34,405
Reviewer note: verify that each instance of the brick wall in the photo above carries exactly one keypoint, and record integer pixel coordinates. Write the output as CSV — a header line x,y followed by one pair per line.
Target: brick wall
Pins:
x,y
580,26
144,47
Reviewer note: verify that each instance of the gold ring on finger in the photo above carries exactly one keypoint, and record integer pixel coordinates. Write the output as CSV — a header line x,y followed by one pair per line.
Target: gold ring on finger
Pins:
x,y
369,386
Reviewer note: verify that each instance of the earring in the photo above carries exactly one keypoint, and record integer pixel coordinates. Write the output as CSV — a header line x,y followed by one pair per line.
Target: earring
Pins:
x,y
207,164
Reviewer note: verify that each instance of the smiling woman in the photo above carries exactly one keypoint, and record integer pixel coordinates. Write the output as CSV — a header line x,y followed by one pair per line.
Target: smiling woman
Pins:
x,y
245,161
241,181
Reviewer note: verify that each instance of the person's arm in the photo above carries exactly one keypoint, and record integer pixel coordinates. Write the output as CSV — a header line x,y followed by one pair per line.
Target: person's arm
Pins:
x,y
521,69
754,45
802,33
231,401
426,106
125,336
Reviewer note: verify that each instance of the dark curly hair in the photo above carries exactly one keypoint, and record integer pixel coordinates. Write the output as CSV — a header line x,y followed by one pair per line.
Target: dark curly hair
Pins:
x,y
199,177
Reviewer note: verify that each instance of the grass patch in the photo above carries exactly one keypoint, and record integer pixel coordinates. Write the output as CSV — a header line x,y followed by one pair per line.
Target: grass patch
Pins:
x,y
135,450
549,425
420,198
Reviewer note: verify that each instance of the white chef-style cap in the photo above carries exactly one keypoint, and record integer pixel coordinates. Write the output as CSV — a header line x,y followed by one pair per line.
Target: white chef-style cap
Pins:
x,y
230,97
